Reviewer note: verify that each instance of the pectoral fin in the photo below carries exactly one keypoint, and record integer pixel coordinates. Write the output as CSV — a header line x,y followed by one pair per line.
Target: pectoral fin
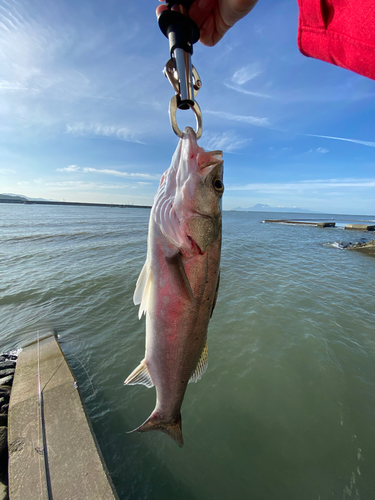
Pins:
x,y
215,298
140,376
142,289
178,271
201,366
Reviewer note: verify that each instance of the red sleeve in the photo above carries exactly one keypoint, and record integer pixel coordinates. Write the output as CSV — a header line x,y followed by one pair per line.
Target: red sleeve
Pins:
x,y
341,32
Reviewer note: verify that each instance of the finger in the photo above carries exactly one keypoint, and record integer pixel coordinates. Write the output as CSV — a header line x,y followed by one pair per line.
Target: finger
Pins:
x,y
207,31
200,10
160,9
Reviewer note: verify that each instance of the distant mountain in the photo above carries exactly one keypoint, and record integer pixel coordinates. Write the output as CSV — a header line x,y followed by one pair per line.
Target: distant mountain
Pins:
x,y
261,207
12,197
19,197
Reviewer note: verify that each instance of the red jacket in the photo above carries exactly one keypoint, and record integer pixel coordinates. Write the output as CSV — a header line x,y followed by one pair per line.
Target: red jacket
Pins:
x,y
341,32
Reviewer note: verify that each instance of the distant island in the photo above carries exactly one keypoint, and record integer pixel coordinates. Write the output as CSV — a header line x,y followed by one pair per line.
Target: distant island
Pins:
x,y
24,200
261,207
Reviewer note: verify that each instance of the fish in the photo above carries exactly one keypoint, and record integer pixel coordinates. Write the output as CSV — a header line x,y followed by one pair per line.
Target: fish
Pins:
x,y
178,285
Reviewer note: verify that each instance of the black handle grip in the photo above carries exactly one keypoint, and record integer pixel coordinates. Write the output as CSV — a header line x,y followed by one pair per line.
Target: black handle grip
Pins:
x,y
181,31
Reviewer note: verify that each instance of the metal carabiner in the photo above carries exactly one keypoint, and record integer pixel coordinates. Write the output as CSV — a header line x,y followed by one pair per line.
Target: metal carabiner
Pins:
x,y
171,74
173,105
182,32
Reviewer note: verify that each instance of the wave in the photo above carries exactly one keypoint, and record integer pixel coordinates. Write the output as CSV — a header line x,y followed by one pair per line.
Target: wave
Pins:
x,y
335,244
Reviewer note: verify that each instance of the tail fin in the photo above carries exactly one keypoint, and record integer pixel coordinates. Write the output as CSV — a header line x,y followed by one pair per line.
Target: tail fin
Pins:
x,y
155,423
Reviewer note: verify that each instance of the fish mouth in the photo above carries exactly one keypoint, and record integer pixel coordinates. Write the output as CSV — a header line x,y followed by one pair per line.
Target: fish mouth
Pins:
x,y
211,164
213,158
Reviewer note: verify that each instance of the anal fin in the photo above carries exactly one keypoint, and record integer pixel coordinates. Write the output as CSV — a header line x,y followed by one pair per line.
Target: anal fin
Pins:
x,y
140,376
201,366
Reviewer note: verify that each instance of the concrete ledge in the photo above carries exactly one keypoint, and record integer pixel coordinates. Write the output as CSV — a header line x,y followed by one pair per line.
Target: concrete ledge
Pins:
x,y
326,224
302,223
360,227
75,469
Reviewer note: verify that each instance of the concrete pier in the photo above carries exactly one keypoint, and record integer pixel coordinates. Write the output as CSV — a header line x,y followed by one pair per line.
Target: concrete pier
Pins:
x,y
53,452
360,227
302,223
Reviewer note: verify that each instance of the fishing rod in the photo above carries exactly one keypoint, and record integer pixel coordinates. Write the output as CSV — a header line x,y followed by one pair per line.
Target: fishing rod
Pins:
x,y
182,32
43,451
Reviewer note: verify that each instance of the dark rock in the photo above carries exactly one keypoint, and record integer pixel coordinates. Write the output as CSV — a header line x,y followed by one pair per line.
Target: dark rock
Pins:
x,y
6,380
6,371
3,440
3,462
3,421
368,247
4,409
5,390
7,364
5,400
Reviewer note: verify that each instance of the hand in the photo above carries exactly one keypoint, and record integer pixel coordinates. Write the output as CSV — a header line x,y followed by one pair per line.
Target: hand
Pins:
x,y
216,17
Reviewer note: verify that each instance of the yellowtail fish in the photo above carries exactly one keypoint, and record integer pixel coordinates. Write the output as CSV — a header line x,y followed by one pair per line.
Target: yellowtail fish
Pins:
x,y
178,285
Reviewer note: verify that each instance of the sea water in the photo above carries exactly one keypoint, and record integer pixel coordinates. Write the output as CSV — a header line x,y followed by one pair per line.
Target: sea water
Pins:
x,y
286,409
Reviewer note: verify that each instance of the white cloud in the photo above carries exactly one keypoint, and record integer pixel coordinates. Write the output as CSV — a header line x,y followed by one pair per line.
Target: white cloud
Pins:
x,y
252,120
7,171
119,173
80,185
248,92
226,141
5,85
356,141
319,150
309,185
109,171
121,132
70,168
246,73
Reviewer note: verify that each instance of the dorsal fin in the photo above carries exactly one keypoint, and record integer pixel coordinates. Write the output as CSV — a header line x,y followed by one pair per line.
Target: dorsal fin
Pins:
x,y
201,366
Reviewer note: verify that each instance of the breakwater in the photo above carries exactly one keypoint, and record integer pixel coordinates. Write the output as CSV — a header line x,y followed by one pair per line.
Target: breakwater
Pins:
x,y
69,203
323,223
53,452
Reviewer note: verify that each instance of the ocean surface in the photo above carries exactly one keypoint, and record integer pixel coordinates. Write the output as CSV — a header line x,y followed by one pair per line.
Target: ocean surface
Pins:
x,y
286,409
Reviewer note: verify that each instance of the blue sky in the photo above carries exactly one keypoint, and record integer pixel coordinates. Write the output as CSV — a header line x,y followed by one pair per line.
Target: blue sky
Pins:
x,y
84,109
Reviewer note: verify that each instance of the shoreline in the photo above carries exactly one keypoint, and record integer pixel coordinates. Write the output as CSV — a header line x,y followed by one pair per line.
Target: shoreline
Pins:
x,y
71,203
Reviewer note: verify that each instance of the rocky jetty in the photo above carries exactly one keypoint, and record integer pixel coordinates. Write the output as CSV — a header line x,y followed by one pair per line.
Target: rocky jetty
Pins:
x,y
367,247
7,369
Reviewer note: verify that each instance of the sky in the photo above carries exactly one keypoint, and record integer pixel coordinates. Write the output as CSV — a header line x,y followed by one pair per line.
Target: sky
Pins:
x,y
84,109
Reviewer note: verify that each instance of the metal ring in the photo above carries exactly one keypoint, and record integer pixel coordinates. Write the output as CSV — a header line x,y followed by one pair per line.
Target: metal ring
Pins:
x,y
172,115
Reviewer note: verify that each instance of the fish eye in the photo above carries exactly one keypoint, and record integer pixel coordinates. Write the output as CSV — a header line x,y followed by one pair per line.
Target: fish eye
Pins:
x,y
218,186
